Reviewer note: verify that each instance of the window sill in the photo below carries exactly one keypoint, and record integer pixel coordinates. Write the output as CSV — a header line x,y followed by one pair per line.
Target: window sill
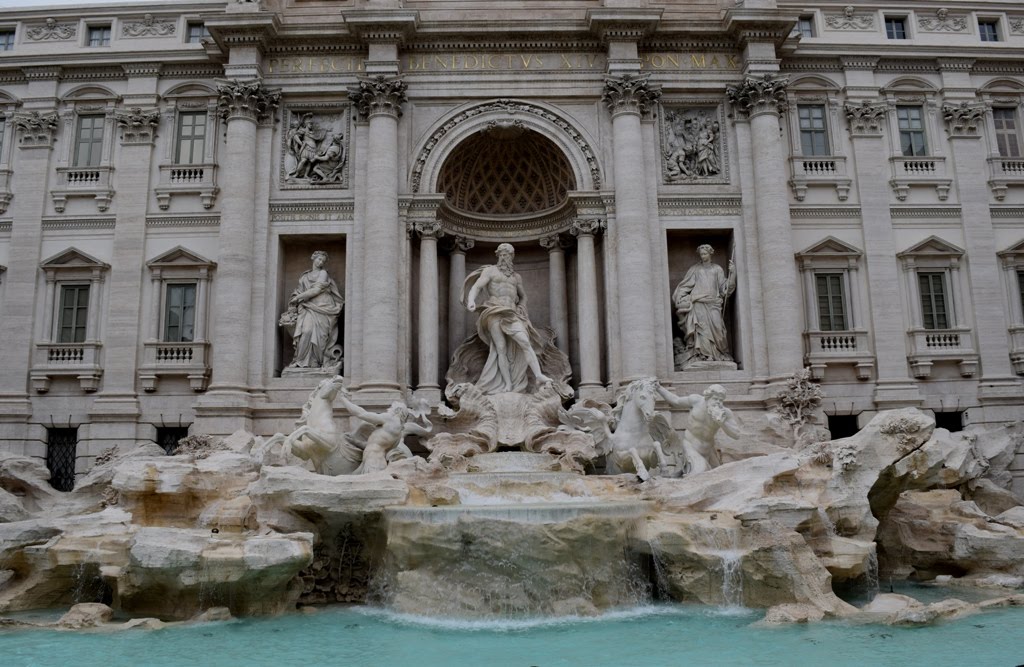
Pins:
x,y
80,360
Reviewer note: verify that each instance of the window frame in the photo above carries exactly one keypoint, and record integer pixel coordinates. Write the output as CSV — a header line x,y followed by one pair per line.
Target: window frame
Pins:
x,y
6,46
192,23
905,26
179,138
1015,133
935,255
96,147
168,308
79,312
179,266
922,131
103,27
841,280
928,305
995,24
68,268
812,132
808,21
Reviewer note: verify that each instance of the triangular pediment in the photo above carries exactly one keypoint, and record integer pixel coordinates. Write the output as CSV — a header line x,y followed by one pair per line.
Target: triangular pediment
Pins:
x,y
829,247
73,258
180,256
932,246
1016,249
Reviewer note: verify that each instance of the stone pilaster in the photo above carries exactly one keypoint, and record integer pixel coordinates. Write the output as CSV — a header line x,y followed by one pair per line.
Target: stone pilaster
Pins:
x,y
242,105
456,278
893,387
429,315
1000,392
587,318
627,97
762,100
380,99
557,300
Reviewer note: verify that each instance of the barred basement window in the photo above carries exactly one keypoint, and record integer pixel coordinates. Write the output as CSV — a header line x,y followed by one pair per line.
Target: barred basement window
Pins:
x,y
951,421
61,451
168,436
842,426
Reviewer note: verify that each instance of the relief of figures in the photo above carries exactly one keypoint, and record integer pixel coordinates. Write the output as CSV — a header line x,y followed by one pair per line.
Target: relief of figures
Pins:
x,y
315,150
692,146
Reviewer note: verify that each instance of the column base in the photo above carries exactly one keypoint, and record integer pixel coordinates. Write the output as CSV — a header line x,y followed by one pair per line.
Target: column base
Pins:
x,y
222,412
378,393
432,395
594,391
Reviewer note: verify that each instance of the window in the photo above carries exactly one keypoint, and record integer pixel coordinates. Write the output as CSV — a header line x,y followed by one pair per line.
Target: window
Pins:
x,y
842,426
831,302
951,421
74,309
89,141
180,313
191,137
934,308
6,40
813,132
196,33
1007,138
895,28
911,127
805,26
99,35
988,30
61,446
168,436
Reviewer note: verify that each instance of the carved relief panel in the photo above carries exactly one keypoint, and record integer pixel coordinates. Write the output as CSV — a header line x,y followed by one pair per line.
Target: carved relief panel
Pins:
x,y
693,145
315,147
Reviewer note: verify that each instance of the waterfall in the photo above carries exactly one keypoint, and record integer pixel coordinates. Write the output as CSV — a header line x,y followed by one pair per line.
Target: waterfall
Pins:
x,y
827,523
871,575
732,577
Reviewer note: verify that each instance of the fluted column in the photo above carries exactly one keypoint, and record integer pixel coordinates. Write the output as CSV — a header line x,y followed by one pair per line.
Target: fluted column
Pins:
x,y
427,385
587,318
456,279
627,97
380,99
763,99
557,299
242,105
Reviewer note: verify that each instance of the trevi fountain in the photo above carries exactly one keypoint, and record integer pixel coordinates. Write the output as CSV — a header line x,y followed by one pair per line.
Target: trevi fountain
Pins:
x,y
512,524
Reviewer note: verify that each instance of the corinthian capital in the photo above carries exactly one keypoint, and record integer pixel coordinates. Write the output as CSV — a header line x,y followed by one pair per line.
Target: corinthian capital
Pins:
x,y
247,99
138,126
379,95
38,129
866,118
587,227
766,94
629,94
429,229
963,120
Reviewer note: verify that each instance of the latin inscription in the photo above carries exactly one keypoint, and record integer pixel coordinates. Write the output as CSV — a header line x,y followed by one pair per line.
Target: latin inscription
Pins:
x,y
504,62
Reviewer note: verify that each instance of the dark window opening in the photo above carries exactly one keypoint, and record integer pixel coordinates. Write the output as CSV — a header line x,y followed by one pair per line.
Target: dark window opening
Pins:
x,y
168,437
842,426
61,452
895,28
951,421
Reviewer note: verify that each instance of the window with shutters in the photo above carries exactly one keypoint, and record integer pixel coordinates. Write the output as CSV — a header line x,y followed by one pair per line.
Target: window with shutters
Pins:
x,y
813,129
89,141
911,129
934,306
1007,133
180,313
74,313
831,302
191,144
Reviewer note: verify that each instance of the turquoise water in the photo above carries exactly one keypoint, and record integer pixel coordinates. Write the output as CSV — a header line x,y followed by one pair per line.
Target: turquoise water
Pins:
x,y
647,637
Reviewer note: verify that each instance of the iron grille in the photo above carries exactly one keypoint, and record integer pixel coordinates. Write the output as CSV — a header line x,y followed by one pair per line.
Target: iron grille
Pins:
x,y
61,446
168,437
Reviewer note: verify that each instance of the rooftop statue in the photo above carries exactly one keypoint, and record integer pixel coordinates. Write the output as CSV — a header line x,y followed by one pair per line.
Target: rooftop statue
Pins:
x,y
312,321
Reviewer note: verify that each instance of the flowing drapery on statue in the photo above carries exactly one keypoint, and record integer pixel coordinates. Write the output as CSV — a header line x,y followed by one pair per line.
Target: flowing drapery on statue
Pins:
x,y
519,357
312,319
700,301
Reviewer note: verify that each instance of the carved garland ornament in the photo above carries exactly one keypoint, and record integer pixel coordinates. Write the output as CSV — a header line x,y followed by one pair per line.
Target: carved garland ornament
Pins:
x,y
148,27
37,128
246,99
759,95
942,22
52,30
963,119
866,117
510,107
629,94
379,95
1017,25
848,20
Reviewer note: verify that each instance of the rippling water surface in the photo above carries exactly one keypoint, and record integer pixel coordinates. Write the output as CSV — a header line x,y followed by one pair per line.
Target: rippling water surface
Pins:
x,y
652,636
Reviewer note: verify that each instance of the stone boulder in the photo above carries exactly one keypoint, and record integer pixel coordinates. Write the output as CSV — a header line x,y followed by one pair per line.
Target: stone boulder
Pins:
x,y
788,614
174,573
931,533
11,508
86,615
28,480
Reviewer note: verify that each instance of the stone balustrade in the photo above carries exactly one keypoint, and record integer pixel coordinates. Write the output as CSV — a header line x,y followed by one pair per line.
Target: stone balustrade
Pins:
x,y
931,345
807,171
78,360
185,359
95,182
836,348
926,170
191,179
1004,172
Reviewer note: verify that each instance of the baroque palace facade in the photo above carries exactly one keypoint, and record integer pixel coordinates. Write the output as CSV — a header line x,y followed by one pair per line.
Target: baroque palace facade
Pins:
x,y
167,171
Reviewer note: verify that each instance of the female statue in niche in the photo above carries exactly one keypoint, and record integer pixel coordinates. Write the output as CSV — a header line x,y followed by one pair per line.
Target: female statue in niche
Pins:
x,y
312,320
699,300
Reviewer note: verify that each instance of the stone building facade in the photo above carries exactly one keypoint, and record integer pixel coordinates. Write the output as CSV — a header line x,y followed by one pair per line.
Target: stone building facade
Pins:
x,y
167,171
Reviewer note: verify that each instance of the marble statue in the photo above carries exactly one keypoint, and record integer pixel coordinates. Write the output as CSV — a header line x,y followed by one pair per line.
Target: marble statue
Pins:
x,y
708,415
504,326
312,321
700,300
377,442
632,436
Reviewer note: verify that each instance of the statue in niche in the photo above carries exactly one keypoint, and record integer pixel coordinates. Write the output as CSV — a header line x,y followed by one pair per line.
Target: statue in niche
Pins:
x,y
708,415
312,321
318,153
516,351
691,146
700,301
377,442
